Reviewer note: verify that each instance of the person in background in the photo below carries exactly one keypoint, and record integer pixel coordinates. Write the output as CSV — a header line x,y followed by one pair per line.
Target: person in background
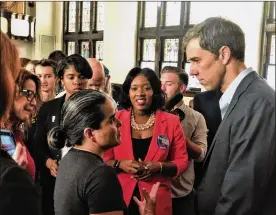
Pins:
x,y
174,80
24,61
17,189
207,103
24,105
117,92
73,72
97,82
241,165
45,70
31,66
153,146
107,86
57,56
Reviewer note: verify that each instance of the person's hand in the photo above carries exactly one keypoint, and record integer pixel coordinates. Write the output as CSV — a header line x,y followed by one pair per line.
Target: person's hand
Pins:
x,y
20,155
130,166
150,168
52,166
148,205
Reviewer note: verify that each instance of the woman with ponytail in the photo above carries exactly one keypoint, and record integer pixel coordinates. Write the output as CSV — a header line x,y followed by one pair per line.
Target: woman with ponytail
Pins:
x,y
84,183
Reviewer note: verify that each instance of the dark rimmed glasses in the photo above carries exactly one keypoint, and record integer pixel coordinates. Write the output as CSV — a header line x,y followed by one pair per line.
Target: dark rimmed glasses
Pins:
x,y
30,95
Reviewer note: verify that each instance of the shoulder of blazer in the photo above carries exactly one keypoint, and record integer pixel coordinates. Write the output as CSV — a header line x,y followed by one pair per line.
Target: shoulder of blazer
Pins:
x,y
54,102
52,105
165,116
123,114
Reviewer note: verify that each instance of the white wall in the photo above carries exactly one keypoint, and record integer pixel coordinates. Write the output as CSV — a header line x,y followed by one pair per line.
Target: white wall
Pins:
x,y
26,49
120,38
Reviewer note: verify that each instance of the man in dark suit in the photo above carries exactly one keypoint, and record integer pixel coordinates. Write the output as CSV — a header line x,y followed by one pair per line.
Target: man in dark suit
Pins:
x,y
241,172
207,103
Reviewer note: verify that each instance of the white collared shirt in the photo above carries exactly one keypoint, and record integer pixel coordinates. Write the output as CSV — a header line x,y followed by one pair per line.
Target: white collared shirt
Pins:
x,y
227,96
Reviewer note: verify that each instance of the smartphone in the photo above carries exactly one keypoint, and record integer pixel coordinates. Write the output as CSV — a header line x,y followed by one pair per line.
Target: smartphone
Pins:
x,y
7,141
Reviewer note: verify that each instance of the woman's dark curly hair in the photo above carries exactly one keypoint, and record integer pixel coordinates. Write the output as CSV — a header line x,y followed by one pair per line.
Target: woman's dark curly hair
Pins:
x,y
158,98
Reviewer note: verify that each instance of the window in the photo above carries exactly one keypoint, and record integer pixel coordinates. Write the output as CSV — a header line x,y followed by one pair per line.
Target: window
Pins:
x,y
83,28
268,56
162,26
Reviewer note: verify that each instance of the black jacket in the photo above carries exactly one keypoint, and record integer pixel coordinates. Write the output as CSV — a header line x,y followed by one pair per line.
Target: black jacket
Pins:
x,y
18,194
48,117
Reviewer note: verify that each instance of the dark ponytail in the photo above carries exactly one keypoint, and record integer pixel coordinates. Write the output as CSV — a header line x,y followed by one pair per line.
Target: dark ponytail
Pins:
x,y
56,138
82,110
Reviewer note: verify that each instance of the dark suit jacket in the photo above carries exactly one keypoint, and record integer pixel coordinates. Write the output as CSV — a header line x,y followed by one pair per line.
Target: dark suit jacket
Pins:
x,y
207,103
240,178
48,117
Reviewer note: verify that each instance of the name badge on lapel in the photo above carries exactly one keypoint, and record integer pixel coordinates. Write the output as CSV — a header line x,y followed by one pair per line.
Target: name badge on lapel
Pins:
x,y
163,141
53,118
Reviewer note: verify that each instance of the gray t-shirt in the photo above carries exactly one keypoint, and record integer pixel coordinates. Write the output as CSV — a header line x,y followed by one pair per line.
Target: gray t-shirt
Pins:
x,y
86,185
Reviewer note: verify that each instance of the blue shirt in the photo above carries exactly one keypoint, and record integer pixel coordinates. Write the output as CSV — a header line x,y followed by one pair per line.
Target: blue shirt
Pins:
x,y
227,96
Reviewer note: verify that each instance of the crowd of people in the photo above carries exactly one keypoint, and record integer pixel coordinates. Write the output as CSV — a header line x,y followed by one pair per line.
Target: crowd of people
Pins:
x,y
71,143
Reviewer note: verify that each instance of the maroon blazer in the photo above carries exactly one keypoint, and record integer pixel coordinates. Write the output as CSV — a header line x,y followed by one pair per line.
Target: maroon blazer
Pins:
x,y
174,150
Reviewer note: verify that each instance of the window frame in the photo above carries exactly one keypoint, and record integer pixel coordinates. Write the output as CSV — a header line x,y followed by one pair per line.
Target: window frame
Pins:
x,y
162,32
269,27
80,36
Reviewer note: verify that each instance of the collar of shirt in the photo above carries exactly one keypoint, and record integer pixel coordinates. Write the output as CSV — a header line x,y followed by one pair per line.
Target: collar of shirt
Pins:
x,y
227,96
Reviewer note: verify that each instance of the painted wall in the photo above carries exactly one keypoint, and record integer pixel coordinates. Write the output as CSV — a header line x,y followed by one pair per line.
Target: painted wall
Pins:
x,y
120,38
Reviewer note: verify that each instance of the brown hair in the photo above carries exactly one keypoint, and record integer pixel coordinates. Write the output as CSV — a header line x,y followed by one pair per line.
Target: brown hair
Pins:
x,y
9,70
19,127
182,75
24,61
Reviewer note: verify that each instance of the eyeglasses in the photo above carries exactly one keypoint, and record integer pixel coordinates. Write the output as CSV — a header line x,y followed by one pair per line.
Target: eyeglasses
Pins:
x,y
30,95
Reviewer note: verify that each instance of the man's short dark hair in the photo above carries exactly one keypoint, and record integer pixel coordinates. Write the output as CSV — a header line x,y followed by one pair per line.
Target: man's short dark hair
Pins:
x,y
48,62
57,56
182,75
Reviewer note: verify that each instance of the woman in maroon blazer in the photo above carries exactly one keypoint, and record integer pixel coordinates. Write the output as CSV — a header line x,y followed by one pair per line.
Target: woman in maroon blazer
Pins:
x,y
153,146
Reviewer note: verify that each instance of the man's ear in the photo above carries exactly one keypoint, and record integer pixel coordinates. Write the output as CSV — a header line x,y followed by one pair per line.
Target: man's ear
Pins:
x,y
107,78
183,88
225,54
89,133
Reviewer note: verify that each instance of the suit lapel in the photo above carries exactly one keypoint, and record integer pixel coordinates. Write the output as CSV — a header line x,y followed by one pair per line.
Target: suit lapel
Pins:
x,y
240,90
57,106
160,127
126,132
